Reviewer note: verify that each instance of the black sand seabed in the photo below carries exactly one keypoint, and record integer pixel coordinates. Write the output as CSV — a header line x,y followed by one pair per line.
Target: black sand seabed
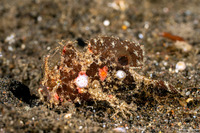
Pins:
x,y
29,29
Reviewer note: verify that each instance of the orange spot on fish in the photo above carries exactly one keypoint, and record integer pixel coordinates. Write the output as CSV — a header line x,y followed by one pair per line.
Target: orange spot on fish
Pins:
x,y
80,90
110,96
90,50
103,72
82,73
64,50
56,96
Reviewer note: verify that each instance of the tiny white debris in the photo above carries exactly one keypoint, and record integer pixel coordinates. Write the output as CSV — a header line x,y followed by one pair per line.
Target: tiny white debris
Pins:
x,y
118,5
1,55
106,22
21,122
126,47
23,46
113,44
187,93
126,23
82,81
136,53
39,18
165,63
137,44
151,75
10,39
180,66
170,70
189,100
80,127
140,35
167,85
104,125
48,48
120,130
138,62
10,48
120,74
27,108
68,116
146,25
95,41
113,5
102,41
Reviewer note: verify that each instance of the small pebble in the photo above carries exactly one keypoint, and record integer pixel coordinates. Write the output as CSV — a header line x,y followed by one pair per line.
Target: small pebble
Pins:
x,y
106,22
180,66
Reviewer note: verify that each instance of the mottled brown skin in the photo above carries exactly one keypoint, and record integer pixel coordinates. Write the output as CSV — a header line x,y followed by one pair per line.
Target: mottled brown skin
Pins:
x,y
58,84
123,53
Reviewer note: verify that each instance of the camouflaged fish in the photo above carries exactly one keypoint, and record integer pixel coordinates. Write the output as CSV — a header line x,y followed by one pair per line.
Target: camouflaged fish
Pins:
x,y
97,72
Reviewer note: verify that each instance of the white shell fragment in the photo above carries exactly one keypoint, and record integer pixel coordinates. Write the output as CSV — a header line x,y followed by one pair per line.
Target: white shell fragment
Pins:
x,y
180,66
82,81
106,22
120,74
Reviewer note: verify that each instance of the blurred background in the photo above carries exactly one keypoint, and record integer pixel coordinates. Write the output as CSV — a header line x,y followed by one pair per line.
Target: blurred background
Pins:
x,y
168,29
